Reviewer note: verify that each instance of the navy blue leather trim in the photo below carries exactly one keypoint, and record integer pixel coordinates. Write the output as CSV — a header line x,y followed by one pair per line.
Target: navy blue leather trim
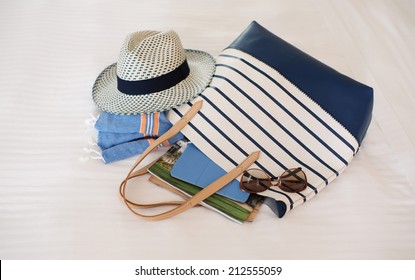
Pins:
x,y
278,207
348,101
156,84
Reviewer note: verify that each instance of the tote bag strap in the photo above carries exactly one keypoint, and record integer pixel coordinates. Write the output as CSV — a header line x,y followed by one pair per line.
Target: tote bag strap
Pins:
x,y
181,206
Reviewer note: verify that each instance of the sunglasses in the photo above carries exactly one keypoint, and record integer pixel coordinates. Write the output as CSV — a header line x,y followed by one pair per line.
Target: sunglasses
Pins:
x,y
256,181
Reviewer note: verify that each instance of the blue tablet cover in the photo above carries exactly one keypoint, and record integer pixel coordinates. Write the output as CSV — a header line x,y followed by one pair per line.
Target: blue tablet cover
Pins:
x,y
196,168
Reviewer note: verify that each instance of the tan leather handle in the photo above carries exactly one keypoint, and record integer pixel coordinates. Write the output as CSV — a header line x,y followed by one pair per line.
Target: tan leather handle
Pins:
x,y
197,198
179,125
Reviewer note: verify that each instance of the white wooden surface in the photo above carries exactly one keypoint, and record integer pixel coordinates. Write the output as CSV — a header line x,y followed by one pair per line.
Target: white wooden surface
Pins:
x,y
55,206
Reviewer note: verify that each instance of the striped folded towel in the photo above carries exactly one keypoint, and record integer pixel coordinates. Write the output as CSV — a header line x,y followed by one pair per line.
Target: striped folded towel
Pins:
x,y
123,136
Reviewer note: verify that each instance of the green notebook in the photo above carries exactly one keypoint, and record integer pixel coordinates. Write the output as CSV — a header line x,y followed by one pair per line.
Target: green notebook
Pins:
x,y
239,212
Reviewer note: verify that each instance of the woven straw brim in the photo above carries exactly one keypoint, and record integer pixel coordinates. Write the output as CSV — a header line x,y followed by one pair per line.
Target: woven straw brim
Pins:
x,y
107,97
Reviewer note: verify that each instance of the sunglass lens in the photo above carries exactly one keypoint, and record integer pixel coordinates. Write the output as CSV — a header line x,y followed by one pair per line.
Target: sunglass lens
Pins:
x,y
293,180
254,181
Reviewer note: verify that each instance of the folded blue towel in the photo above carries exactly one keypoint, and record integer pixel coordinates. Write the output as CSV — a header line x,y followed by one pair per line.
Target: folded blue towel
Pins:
x,y
150,124
109,139
132,148
123,136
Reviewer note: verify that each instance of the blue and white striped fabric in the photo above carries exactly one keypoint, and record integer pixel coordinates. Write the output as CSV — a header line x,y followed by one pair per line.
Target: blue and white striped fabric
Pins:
x,y
250,106
123,136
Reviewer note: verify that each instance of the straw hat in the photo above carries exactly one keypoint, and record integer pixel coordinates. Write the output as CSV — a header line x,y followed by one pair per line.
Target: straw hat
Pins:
x,y
154,73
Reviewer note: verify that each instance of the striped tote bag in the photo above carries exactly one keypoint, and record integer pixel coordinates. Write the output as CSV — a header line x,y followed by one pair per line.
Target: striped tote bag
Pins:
x,y
269,96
